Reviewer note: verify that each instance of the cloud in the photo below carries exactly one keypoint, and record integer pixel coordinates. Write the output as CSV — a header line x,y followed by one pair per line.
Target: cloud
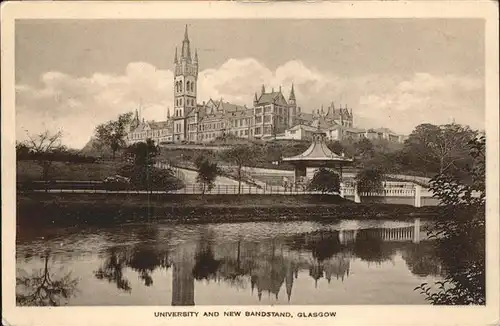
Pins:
x,y
76,105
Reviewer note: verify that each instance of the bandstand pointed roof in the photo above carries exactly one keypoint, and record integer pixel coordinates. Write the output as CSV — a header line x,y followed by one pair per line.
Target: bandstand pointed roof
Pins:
x,y
318,152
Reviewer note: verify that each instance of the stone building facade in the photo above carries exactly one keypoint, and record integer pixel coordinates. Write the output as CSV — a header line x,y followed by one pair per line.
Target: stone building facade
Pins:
x,y
270,117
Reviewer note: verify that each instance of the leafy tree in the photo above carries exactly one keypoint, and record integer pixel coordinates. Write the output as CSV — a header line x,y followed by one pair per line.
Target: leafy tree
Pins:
x,y
240,155
325,180
364,149
438,149
142,172
143,153
370,180
42,146
207,173
460,233
113,132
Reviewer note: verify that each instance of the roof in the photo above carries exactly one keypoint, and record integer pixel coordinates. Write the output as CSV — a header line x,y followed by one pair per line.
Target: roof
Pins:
x,y
322,123
305,116
318,151
159,125
352,129
268,98
230,107
153,125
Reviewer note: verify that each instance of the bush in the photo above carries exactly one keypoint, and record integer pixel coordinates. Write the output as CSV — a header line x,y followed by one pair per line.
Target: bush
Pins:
x,y
460,234
325,180
370,180
150,178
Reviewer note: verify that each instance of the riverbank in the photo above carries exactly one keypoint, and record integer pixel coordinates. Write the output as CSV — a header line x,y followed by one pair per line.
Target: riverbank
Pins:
x,y
71,209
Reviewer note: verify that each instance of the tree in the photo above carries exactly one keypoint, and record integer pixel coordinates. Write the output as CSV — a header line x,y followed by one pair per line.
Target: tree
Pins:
x,y
240,155
44,287
143,153
364,149
142,172
369,180
113,132
439,148
325,180
460,233
42,146
207,173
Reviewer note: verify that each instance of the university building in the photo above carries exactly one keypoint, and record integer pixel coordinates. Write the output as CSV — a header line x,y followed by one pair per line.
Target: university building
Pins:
x,y
273,116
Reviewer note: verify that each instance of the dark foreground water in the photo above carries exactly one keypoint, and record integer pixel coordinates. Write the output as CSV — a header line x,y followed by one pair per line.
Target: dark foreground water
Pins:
x,y
345,262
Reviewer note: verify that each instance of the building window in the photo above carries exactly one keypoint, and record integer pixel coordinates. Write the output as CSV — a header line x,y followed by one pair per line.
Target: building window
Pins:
x,y
258,111
258,119
267,118
257,131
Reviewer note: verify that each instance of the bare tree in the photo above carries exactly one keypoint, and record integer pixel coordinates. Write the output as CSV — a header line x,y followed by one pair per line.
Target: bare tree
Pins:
x,y
42,146
239,155
44,288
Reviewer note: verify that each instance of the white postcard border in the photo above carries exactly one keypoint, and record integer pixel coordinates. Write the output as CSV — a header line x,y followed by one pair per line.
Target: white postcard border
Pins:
x,y
346,315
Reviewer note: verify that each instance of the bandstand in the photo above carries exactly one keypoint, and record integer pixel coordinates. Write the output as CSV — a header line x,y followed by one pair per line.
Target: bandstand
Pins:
x,y
318,155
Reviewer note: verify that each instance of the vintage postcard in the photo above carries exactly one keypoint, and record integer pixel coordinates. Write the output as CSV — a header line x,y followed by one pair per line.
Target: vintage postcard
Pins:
x,y
257,163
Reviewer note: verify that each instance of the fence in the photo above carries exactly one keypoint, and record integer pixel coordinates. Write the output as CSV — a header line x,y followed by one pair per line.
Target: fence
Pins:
x,y
243,190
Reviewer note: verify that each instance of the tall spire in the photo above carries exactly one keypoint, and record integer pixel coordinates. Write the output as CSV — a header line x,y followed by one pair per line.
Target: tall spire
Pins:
x,y
292,94
186,51
263,89
196,55
175,58
186,37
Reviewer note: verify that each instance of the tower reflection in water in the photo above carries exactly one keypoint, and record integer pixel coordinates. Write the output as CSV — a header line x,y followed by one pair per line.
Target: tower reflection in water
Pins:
x,y
269,262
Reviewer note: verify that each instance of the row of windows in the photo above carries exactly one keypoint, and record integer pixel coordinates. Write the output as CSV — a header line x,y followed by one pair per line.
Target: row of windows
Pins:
x,y
189,102
190,86
241,122
215,125
150,133
277,110
241,132
212,135
188,70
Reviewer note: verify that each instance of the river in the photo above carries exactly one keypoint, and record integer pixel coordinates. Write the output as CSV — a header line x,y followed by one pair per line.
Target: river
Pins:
x,y
281,263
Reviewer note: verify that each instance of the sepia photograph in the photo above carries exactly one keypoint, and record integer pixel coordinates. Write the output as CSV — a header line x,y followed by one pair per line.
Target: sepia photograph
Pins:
x,y
243,161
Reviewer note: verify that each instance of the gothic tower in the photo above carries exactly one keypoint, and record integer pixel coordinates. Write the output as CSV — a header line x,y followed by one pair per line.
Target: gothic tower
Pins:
x,y
185,86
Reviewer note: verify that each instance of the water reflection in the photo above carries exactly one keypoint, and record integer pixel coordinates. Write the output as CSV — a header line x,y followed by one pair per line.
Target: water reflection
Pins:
x,y
268,263
44,287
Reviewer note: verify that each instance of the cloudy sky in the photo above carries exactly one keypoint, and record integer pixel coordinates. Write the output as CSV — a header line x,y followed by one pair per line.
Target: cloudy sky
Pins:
x,y
397,73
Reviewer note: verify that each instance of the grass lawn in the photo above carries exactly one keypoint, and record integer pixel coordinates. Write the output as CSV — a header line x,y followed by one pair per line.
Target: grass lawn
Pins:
x,y
30,170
